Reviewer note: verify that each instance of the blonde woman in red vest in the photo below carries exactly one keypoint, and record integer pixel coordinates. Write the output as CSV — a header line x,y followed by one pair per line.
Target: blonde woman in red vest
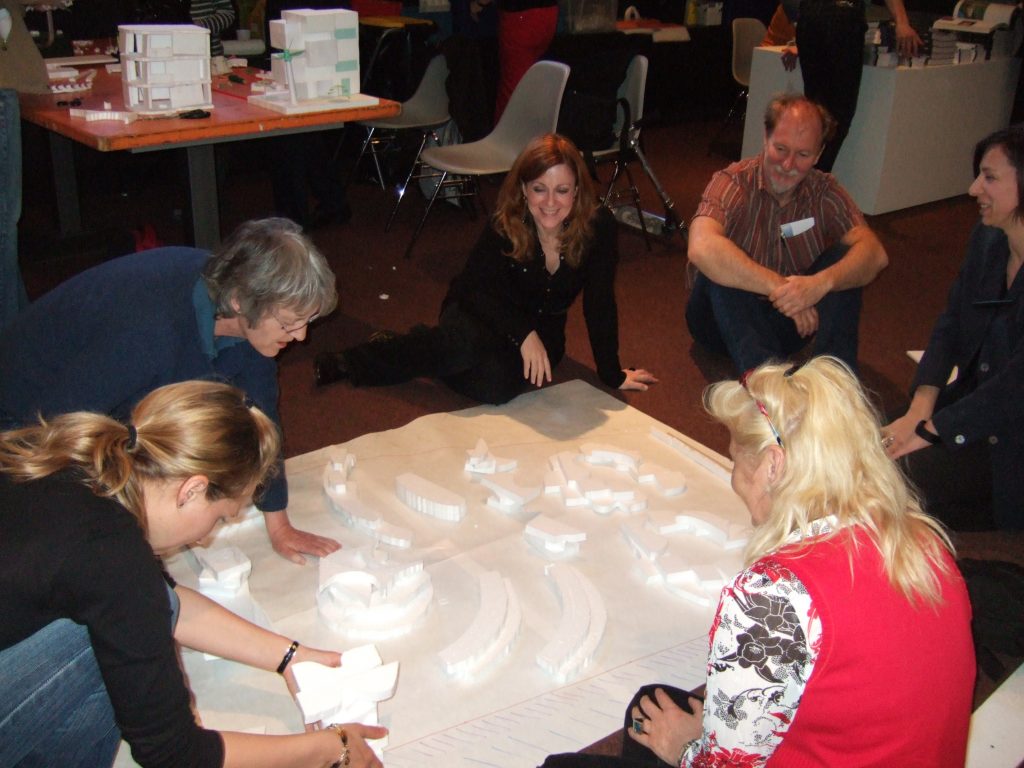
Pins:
x,y
846,640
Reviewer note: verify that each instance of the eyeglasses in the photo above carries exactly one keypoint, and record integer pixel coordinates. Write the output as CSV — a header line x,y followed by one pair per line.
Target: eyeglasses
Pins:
x,y
297,326
760,405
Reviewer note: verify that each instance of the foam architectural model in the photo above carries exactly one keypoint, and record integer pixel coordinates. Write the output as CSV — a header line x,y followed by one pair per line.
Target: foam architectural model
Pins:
x,y
581,627
223,570
703,525
96,115
492,632
509,496
317,63
346,694
553,538
481,461
345,499
429,498
364,592
571,478
165,67
680,447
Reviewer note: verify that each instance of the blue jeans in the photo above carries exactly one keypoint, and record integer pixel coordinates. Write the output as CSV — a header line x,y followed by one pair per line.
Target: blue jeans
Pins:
x,y
54,707
12,290
751,331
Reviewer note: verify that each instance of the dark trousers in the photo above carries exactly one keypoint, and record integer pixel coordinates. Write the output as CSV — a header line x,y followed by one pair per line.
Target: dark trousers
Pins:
x,y
460,350
751,331
634,754
830,38
955,486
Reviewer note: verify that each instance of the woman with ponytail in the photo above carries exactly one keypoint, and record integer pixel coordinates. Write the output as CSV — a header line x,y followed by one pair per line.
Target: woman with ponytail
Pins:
x,y
91,621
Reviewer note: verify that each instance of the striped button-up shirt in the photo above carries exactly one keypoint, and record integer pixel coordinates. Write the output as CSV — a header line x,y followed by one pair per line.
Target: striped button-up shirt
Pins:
x,y
739,199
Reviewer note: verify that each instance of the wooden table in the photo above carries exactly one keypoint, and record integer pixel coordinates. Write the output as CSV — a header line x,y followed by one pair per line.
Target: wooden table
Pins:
x,y
232,119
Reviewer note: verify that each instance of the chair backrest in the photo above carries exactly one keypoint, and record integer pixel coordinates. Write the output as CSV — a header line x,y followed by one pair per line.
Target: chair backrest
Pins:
x,y
747,34
533,107
633,87
429,104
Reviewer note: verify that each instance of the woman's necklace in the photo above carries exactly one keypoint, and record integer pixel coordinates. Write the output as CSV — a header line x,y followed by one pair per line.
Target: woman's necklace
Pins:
x,y
551,247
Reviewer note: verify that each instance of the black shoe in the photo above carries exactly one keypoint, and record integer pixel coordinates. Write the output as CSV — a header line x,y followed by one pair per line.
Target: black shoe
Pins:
x,y
329,367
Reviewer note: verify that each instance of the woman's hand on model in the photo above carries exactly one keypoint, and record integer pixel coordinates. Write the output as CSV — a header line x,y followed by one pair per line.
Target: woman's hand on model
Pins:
x,y
666,727
536,366
638,379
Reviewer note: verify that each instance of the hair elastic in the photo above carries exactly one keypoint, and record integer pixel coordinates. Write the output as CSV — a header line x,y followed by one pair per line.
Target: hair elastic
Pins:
x,y
133,437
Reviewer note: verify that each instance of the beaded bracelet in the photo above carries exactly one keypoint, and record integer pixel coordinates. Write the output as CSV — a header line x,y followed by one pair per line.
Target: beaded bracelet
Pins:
x,y
286,659
343,759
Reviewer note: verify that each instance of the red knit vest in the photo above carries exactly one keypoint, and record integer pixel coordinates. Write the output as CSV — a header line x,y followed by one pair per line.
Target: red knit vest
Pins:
x,y
893,684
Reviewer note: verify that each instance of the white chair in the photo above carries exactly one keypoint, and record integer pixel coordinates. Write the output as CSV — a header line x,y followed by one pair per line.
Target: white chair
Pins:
x,y
532,111
747,34
426,110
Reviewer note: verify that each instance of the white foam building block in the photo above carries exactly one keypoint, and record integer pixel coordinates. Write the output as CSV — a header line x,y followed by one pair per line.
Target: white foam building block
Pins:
x,y
429,498
703,525
365,593
165,67
610,456
343,694
644,542
98,115
358,515
509,496
581,627
552,537
329,61
481,461
223,569
669,482
683,449
492,632
571,478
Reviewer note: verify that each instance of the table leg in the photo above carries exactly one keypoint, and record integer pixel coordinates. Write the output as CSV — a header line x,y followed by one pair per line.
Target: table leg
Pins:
x,y
202,179
65,185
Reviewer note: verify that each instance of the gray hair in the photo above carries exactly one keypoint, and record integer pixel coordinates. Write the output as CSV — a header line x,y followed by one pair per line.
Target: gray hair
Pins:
x,y
268,263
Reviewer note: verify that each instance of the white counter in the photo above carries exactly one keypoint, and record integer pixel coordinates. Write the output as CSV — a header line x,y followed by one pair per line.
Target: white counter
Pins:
x,y
912,139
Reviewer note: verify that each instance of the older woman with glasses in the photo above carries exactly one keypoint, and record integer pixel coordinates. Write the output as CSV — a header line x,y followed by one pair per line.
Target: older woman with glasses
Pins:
x,y
846,640
105,338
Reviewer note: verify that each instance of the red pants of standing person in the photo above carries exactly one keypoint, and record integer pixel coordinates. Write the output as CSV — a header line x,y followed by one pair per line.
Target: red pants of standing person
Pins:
x,y
523,37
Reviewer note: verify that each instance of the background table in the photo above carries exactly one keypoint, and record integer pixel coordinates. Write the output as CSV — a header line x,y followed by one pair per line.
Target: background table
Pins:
x,y
231,119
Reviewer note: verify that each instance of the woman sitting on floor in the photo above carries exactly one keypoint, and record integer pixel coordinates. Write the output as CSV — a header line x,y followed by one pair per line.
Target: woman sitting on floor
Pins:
x,y
847,640
87,642
962,440
502,324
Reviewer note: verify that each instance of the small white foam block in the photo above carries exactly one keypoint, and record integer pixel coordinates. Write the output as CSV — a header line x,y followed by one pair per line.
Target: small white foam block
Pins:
x,y
610,455
667,481
340,460
552,537
354,512
481,461
429,498
96,115
325,693
335,481
394,535
705,525
510,496
492,631
581,627
723,473
710,577
644,542
222,568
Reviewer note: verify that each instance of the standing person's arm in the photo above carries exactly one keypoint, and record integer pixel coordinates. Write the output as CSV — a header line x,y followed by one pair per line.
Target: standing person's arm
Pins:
x,y
908,43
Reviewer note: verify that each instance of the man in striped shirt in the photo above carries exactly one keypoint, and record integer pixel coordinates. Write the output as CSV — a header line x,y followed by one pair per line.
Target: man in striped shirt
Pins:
x,y
781,251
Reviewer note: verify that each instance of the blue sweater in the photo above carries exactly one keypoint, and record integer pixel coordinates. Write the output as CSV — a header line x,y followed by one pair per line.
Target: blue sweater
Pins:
x,y
107,337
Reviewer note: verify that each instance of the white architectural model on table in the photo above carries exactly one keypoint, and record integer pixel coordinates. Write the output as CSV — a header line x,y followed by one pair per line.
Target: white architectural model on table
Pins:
x,y
165,67
480,461
366,593
345,499
579,632
553,538
349,693
223,570
429,498
492,632
316,67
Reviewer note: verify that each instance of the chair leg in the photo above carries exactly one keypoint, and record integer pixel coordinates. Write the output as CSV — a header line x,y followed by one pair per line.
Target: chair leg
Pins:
x,y
400,192
430,204
367,142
